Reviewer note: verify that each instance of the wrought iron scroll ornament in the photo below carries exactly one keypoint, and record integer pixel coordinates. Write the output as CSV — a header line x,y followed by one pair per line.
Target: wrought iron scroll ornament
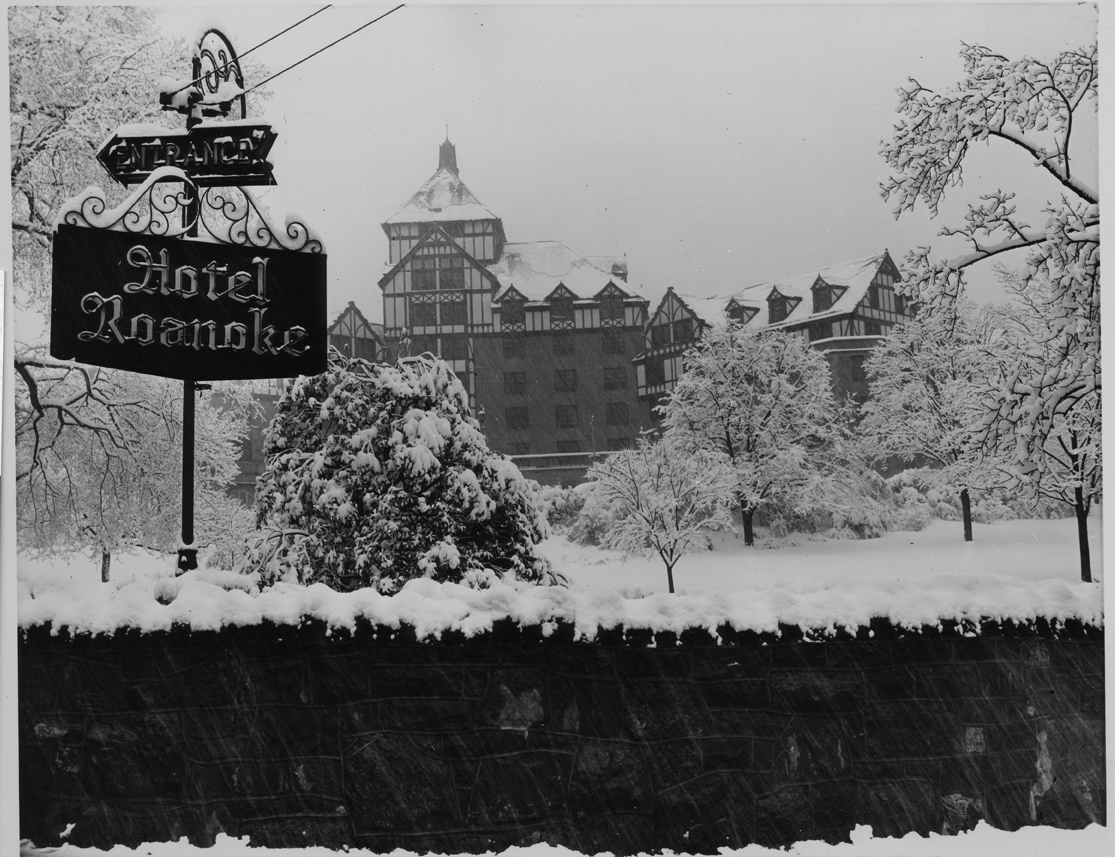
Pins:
x,y
233,216
168,204
154,208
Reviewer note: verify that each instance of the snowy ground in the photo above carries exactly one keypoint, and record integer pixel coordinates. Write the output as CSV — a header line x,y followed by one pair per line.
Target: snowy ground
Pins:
x,y
1013,569
981,842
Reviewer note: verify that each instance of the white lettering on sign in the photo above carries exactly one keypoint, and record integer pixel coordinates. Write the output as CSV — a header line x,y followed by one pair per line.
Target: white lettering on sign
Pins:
x,y
243,287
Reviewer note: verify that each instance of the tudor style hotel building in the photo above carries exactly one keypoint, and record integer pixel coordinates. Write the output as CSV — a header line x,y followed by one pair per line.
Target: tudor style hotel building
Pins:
x,y
542,337
558,353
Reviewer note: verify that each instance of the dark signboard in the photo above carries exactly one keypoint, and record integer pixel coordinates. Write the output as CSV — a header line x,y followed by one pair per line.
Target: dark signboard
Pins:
x,y
186,309
224,154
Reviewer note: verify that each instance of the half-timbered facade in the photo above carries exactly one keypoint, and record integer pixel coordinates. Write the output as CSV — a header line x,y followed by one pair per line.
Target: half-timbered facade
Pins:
x,y
355,336
541,336
843,311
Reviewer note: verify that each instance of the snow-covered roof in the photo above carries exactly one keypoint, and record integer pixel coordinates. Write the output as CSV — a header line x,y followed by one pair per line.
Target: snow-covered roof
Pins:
x,y
855,276
535,268
443,197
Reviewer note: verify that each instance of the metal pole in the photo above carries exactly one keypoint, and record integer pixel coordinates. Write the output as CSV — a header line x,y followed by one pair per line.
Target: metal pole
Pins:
x,y
187,552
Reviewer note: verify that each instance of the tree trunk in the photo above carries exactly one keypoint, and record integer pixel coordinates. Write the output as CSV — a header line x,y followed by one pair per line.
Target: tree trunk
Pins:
x,y
1082,535
966,507
748,526
670,577
106,558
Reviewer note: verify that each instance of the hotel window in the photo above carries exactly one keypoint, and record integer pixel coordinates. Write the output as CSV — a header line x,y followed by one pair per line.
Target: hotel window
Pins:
x,y
858,372
423,315
514,347
613,342
561,311
820,330
517,418
566,416
873,297
454,348
777,309
822,298
423,274
563,343
872,328
512,312
565,380
611,308
452,273
683,330
659,336
615,378
514,383
656,373
615,414
454,312
900,304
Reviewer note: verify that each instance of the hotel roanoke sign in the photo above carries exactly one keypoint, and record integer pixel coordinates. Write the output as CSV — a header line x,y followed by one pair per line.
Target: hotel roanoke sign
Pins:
x,y
186,309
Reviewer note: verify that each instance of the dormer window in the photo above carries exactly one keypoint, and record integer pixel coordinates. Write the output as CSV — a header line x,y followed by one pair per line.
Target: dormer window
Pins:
x,y
822,296
779,306
512,312
561,310
611,307
740,313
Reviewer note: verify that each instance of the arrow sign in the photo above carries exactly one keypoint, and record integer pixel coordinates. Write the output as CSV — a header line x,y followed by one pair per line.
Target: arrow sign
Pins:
x,y
225,153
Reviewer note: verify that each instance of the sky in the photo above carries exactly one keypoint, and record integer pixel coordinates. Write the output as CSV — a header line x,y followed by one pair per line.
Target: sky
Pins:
x,y
717,146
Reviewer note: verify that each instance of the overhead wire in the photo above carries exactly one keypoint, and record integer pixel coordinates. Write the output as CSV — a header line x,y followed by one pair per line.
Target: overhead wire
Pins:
x,y
260,45
331,44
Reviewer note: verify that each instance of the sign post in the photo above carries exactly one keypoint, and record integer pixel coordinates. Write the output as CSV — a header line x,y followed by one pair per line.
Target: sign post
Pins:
x,y
133,290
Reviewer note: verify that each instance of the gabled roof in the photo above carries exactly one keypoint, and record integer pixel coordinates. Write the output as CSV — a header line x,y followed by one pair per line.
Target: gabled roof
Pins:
x,y
854,276
351,319
432,233
535,268
444,197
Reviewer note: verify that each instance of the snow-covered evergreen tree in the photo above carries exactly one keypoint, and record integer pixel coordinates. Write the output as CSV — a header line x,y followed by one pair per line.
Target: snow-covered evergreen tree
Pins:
x,y
764,401
99,457
1035,111
664,499
927,384
383,476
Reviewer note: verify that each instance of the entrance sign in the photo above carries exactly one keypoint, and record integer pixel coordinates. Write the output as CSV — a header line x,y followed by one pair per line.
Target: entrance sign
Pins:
x,y
210,154
186,309
133,291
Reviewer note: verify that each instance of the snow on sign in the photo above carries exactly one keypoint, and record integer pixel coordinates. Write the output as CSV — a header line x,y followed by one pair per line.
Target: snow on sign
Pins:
x,y
225,153
186,309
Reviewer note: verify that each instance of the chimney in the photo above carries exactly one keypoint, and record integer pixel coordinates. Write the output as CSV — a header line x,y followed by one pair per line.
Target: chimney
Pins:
x,y
447,157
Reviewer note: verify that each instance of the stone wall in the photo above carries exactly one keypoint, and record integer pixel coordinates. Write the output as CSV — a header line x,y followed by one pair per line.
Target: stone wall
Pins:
x,y
634,742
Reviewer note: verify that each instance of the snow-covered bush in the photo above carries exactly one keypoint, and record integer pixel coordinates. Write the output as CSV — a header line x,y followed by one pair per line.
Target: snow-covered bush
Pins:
x,y
377,474
560,506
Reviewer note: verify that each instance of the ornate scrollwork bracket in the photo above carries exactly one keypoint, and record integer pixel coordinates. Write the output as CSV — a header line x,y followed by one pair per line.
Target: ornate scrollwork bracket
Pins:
x,y
154,208
233,216
170,205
